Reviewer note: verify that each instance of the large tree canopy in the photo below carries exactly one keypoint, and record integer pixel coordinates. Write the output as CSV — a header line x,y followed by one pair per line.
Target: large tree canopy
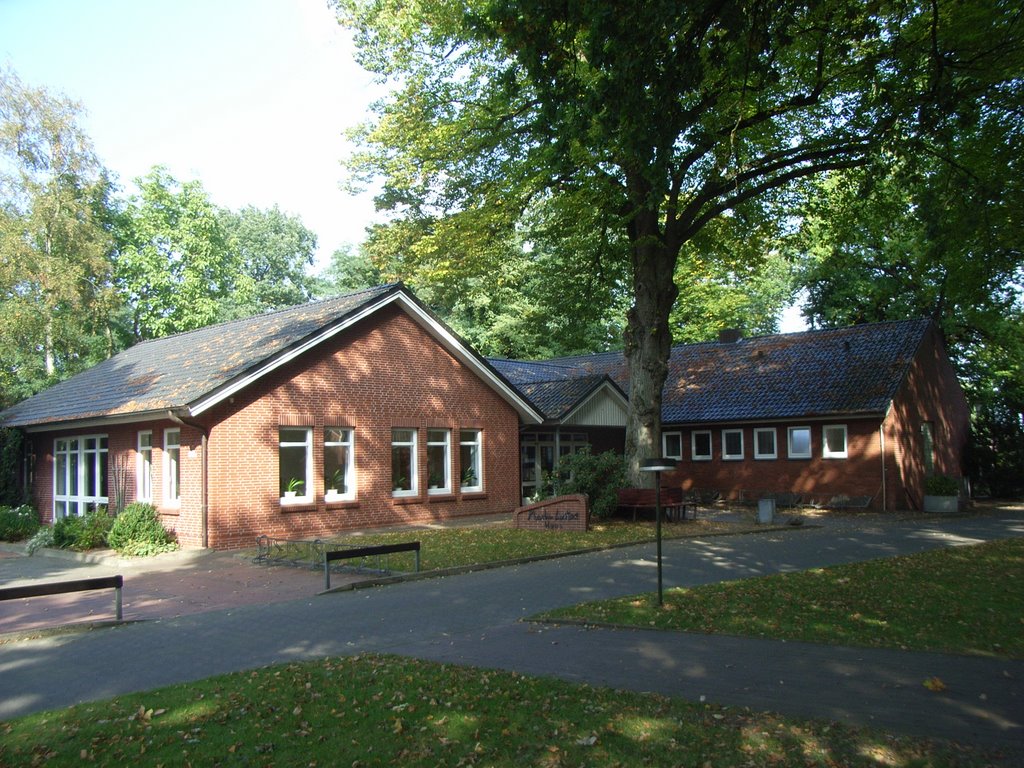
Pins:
x,y
648,119
55,241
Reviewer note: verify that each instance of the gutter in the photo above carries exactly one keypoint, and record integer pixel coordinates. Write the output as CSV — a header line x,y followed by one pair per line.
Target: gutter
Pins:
x,y
205,473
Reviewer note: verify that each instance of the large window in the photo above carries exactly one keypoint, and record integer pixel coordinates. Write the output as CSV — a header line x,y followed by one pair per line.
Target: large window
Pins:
x,y
732,444
79,474
700,445
470,460
833,441
799,442
144,467
764,443
928,446
439,461
672,445
339,464
403,462
295,459
172,467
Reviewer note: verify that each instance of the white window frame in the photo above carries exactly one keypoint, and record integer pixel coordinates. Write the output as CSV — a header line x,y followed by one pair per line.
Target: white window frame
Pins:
x,y
348,440
171,468
144,467
413,489
758,453
307,482
726,456
694,455
75,501
826,452
477,464
789,443
677,455
445,443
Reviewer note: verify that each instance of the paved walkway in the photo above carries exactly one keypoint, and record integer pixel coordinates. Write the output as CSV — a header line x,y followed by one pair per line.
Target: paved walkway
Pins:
x,y
476,619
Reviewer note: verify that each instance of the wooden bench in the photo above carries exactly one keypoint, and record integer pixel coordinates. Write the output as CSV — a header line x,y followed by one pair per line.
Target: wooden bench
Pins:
x,y
673,504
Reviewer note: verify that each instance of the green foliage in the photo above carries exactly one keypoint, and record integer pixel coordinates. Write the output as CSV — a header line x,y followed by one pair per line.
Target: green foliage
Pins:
x,y
600,476
644,134
349,270
273,250
41,538
11,447
941,485
18,523
137,532
955,599
82,533
55,244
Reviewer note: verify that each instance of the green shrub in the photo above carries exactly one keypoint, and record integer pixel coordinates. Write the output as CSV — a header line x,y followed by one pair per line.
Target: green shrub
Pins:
x,y
941,485
137,532
599,476
83,533
41,538
18,523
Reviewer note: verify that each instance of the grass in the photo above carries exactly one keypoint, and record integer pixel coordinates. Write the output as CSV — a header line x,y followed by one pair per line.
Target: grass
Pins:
x,y
385,710
444,548
959,599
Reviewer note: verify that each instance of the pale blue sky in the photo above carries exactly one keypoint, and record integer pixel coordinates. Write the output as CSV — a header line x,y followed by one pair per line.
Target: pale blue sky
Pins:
x,y
248,96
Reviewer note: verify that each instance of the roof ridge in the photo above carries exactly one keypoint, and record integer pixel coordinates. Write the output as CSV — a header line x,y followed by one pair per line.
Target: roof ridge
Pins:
x,y
281,310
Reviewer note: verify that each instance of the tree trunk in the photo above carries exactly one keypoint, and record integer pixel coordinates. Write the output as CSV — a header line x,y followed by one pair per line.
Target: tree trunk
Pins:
x,y
648,342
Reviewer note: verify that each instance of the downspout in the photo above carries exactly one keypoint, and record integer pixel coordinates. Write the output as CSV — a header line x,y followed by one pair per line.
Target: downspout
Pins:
x,y
881,441
204,475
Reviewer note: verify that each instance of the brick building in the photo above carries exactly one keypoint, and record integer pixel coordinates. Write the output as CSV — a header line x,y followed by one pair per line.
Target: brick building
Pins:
x,y
356,411
365,410
854,416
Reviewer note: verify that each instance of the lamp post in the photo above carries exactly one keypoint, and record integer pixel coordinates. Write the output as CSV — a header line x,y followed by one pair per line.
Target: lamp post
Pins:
x,y
657,466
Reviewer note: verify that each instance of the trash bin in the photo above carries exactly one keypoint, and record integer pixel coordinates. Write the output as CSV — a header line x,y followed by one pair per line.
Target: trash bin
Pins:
x,y
766,510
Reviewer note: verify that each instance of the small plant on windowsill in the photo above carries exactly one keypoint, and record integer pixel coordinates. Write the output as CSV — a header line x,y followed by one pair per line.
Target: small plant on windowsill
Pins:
x,y
399,484
435,481
292,488
336,487
469,479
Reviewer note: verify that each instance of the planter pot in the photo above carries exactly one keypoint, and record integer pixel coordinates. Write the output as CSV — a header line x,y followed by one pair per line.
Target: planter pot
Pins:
x,y
289,494
942,505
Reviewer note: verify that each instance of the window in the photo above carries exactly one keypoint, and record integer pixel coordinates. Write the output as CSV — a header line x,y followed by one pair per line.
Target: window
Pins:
x,y
928,446
799,442
339,464
172,467
79,475
732,444
295,454
403,462
764,443
470,464
439,461
144,467
700,445
833,441
672,445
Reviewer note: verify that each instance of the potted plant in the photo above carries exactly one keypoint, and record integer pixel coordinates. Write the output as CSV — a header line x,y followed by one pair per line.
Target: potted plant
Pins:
x,y
941,494
337,484
292,487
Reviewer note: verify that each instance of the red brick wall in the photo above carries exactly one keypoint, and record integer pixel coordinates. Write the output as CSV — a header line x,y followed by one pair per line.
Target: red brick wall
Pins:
x,y
386,372
930,393
858,475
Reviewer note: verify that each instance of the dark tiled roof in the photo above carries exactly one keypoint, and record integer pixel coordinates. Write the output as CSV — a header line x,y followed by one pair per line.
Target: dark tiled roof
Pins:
x,y
556,399
174,371
843,371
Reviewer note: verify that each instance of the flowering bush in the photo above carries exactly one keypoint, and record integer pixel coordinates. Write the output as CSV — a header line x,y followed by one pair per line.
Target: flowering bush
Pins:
x,y
18,523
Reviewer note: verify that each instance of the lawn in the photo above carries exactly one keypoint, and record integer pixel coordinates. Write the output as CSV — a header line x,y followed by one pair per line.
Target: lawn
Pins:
x,y
385,710
958,599
456,547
